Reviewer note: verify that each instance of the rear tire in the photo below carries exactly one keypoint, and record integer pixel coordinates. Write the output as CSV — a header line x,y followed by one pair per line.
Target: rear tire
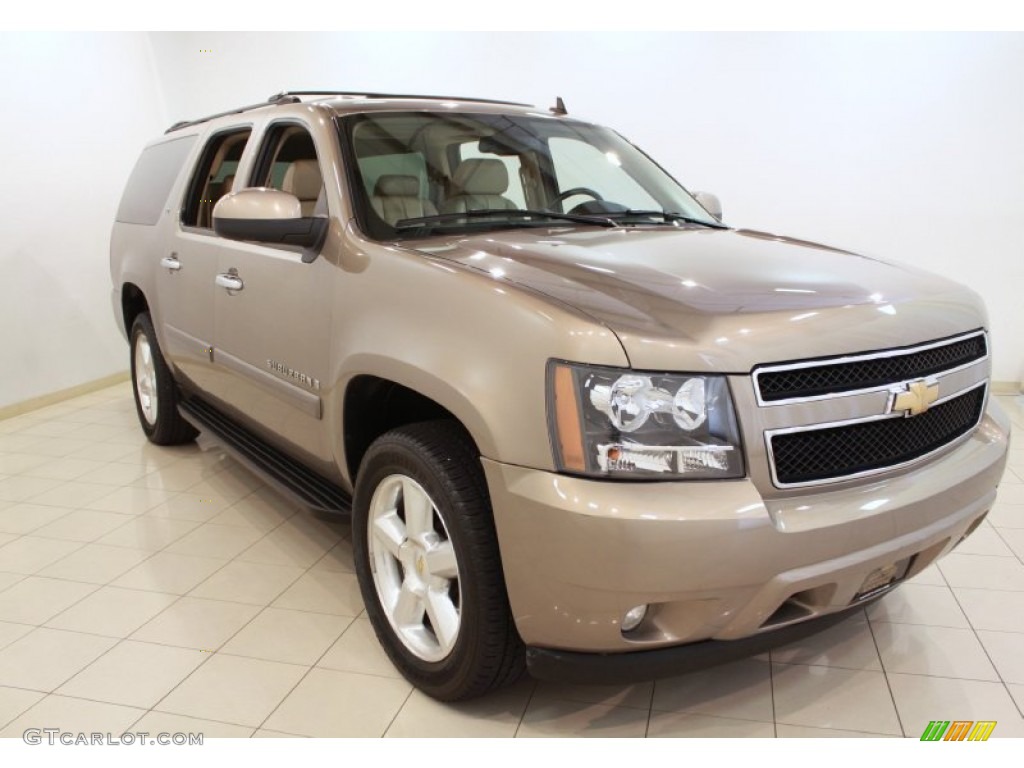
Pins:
x,y
426,554
156,394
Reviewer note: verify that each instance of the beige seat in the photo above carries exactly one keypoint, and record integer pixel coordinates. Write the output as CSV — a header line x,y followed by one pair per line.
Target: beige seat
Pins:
x,y
397,197
303,180
480,184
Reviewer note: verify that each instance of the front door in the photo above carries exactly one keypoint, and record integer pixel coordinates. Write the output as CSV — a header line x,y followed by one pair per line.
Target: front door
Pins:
x,y
273,310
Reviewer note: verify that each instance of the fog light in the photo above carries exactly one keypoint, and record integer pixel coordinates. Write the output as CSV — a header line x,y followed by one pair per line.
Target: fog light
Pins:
x,y
633,618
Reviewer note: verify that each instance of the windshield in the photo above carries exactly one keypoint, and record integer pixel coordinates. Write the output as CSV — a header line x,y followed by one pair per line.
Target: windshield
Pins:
x,y
422,173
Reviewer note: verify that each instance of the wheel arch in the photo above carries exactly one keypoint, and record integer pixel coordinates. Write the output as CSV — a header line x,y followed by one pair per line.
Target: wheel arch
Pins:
x,y
133,303
373,405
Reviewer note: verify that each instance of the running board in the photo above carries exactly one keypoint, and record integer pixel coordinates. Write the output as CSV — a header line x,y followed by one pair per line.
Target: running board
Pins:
x,y
278,470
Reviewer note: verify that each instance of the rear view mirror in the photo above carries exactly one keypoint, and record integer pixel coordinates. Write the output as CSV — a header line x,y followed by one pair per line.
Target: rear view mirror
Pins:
x,y
708,201
267,216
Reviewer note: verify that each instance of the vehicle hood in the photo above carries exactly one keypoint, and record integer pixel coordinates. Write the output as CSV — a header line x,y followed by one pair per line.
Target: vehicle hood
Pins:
x,y
721,300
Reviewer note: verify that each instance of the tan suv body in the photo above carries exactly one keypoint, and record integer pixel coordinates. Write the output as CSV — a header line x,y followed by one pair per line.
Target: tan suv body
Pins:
x,y
337,286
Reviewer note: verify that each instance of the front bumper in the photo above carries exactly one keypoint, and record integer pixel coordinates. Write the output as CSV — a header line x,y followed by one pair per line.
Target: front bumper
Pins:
x,y
715,560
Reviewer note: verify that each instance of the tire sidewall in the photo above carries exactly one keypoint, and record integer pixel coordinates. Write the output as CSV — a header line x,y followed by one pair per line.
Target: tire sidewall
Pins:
x,y
143,327
386,458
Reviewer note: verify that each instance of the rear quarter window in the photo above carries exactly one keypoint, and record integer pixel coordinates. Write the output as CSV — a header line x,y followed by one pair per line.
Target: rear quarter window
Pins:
x,y
147,189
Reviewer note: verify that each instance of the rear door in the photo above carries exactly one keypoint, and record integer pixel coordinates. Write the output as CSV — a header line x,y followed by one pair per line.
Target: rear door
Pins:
x,y
187,270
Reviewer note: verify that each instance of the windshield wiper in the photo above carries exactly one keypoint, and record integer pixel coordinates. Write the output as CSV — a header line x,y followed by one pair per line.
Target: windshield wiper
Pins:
x,y
665,216
515,213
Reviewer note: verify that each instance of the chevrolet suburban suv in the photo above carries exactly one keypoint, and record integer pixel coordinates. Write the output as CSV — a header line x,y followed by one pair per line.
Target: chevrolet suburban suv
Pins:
x,y
581,426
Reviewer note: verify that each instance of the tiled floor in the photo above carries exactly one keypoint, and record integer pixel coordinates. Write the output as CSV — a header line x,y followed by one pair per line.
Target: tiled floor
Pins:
x,y
156,589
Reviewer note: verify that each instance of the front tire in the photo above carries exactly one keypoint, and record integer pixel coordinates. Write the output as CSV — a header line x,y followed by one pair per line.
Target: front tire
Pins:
x,y
427,559
156,394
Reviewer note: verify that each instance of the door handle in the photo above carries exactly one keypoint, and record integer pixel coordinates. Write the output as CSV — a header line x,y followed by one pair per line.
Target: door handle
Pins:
x,y
171,262
231,281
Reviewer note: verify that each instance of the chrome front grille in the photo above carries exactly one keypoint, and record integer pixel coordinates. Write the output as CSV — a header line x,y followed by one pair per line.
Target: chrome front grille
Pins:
x,y
847,417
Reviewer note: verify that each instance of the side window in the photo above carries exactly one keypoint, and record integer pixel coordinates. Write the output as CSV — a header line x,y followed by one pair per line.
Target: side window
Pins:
x,y
513,164
288,162
147,189
579,164
213,177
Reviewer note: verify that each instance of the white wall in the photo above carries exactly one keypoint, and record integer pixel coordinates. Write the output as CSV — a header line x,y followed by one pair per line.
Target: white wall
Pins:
x,y
77,109
904,146
900,145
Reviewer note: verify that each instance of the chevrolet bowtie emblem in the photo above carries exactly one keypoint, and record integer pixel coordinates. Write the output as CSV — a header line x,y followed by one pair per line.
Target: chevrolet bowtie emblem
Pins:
x,y
916,398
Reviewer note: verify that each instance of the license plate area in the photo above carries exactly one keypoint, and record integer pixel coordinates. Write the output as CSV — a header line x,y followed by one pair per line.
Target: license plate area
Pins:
x,y
883,579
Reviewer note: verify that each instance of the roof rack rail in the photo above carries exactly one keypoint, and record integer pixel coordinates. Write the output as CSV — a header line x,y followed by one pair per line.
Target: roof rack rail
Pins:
x,y
366,95
278,99
292,97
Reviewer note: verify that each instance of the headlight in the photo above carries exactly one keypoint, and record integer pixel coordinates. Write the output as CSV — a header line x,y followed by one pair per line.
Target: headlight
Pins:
x,y
619,423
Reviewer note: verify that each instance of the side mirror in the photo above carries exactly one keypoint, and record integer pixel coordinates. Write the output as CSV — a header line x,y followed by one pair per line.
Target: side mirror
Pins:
x,y
708,201
267,216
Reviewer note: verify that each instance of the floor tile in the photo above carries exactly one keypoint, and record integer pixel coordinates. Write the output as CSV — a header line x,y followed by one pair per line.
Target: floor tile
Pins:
x,y
14,701
263,510
19,463
1007,516
931,576
848,644
107,452
29,554
43,446
11,632
983,572
190,506
7,538
921,699
323,592
25,518
112,612
694,726
938,651
496,715
22,488
292,544
338,558
95,564
741,690
992,609
984,541
1014,538
359,650
1006,649
44,659
133,673
195,623
1017,692
556,718
83,525
784,731
130,501
233,689
35,600
168,572
9,579
63,468
114,474
1011,494
919,604
150,533
638,696
263,733
73,494
179,476
216,541
74,716
165,722
293,637
829,697
340,705
242,582
232,485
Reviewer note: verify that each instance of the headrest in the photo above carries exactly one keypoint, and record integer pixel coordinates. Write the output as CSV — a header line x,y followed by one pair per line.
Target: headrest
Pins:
x,y
481,176
396,185
302,179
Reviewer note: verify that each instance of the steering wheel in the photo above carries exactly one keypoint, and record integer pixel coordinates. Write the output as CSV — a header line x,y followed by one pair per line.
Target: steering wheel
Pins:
x,y
574,191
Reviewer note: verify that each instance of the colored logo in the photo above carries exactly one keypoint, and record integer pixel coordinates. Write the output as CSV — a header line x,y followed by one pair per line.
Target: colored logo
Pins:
x,y
958,730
